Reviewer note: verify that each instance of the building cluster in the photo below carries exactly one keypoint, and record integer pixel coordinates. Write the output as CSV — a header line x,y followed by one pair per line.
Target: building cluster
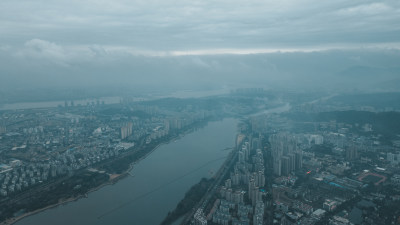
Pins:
x,y
20,176
333,172
393,158
242,195
285,154
43,144
346,176
325,172
126,130
199,218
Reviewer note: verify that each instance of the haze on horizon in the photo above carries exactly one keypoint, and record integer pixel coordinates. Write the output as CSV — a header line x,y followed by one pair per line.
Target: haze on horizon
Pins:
x,y
199,44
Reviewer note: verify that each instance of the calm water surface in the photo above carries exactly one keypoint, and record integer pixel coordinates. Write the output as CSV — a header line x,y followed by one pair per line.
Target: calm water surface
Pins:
x,y
158,183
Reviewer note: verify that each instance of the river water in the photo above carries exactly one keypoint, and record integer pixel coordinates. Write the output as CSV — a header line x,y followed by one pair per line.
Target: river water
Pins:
x,y
157,184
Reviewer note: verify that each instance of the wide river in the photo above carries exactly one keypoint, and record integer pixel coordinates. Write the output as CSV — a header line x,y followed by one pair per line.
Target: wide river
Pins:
x,y
157,183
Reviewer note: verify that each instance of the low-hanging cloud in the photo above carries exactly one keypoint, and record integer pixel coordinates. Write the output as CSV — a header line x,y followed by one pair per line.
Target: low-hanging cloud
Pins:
x,y
198,43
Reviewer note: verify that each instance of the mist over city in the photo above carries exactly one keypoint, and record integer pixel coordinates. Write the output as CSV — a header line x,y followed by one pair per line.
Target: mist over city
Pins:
x,y
199,112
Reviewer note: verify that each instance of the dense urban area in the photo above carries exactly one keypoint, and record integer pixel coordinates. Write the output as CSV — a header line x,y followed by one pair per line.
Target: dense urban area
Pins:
x,y
299,158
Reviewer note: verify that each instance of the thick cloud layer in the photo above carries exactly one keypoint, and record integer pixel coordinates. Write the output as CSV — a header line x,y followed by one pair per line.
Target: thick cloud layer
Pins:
x,y
185,44
185,26
42,64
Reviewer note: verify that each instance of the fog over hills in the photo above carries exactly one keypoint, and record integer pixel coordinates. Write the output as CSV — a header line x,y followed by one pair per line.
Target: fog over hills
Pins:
x,y
365,69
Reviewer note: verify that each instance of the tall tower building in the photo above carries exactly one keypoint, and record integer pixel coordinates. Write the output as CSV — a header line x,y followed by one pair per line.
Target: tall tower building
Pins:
x,y
351,153
299,159
285,153
285,165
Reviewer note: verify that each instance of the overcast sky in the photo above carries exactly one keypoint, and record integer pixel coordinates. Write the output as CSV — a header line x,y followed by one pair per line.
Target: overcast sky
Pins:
x,y
54,39
198,27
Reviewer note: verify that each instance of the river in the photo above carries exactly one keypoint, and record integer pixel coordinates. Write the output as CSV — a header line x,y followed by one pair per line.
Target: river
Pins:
x,y
157,184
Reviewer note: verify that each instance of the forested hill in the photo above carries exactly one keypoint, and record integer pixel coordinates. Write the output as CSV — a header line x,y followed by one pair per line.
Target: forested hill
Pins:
x,y
386,123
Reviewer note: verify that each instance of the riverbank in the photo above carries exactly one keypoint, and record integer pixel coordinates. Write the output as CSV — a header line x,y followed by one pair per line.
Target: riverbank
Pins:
x,y
113,178
190,199
63,201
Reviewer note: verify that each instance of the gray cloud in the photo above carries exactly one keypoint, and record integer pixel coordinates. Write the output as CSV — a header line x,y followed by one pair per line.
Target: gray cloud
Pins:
x,y
42,64
180,43
196,25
